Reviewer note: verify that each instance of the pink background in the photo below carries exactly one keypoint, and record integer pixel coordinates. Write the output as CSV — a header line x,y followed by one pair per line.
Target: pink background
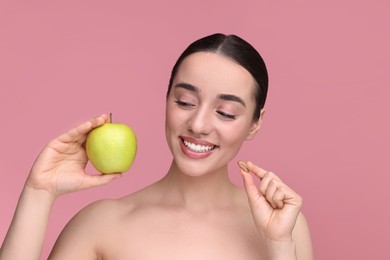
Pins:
x,y
327,122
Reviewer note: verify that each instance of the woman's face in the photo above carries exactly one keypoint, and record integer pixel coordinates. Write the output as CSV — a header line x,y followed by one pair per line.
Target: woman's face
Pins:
x,y
209,112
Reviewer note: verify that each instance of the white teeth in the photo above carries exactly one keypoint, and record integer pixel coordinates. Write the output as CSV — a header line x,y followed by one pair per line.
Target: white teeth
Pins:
x,y
197,147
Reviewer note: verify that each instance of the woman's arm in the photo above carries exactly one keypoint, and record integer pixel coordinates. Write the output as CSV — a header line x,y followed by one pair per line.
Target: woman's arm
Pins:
x,y
26,233
59,169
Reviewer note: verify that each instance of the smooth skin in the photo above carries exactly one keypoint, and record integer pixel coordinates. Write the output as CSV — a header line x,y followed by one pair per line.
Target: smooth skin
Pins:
x,y
194,211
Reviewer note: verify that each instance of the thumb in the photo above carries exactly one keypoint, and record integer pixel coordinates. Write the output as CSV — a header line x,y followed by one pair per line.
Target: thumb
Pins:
x,y
250,187
99,180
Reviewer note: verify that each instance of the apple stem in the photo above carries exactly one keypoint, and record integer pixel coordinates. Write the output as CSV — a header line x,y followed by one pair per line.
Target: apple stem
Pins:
x,y
110,118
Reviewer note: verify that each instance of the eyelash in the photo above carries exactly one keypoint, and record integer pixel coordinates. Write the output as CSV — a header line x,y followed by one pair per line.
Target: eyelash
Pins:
x,y
221,113
228,116
183,104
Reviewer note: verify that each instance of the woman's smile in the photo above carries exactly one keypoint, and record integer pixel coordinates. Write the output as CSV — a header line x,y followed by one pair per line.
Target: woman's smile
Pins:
x,y
196,148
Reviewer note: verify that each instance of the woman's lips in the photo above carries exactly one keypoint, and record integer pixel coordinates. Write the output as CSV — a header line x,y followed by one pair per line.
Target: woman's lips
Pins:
x,y
196,148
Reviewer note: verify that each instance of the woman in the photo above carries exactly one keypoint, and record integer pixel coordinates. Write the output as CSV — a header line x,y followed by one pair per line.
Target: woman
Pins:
x,y
215,101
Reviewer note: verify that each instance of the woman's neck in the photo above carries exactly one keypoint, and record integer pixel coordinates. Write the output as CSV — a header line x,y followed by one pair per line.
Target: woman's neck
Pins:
x,y
200,193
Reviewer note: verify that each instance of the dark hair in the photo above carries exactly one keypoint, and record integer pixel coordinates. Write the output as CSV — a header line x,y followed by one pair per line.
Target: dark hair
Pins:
x,y
238,50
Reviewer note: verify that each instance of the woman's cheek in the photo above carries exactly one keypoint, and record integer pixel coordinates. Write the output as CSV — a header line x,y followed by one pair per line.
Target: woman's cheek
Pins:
x,y
236,132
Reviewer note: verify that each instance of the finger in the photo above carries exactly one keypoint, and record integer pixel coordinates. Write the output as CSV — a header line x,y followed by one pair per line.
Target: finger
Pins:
x,y
79,133
291,197
264,183
259,172
268,177
88,126
270,191
278,197
285,197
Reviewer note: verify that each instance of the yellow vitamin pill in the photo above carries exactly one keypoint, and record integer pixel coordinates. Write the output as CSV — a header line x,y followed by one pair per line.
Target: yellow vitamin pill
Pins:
x,y
243,166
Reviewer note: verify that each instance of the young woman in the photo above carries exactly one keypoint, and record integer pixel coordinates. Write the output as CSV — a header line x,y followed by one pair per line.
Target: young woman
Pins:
x,y
214,103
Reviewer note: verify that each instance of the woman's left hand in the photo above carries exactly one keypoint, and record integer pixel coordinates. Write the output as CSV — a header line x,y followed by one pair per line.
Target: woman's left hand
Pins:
x,y
275,207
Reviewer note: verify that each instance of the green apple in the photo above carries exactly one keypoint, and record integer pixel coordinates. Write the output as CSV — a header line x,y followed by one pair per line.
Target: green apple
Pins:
x,y
111,148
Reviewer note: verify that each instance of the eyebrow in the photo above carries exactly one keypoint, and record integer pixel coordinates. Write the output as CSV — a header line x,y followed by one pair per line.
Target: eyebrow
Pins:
x,y
226,97
234,98
187,87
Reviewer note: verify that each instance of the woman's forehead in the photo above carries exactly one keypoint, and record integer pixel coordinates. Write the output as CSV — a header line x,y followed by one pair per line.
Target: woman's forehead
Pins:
x,y
207,69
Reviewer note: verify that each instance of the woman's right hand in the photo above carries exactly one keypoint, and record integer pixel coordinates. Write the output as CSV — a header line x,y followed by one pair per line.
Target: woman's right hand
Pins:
x,y
60,167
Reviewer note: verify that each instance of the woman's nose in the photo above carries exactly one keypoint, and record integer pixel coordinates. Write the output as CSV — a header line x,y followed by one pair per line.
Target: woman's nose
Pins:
x,y
200,122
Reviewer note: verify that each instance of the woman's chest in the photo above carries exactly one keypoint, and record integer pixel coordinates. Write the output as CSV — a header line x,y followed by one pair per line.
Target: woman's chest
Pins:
x,y
184,238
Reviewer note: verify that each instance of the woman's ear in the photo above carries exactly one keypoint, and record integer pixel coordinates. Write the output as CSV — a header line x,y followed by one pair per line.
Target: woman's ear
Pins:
x,y
255,126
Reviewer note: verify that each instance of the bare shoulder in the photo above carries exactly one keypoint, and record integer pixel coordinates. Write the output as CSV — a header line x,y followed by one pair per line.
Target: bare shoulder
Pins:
x,y
78,240
108,210
301,236
86,233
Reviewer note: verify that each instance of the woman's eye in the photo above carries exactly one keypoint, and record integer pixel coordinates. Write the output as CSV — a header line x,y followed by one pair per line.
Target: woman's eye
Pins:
x,y
226,115
183,104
